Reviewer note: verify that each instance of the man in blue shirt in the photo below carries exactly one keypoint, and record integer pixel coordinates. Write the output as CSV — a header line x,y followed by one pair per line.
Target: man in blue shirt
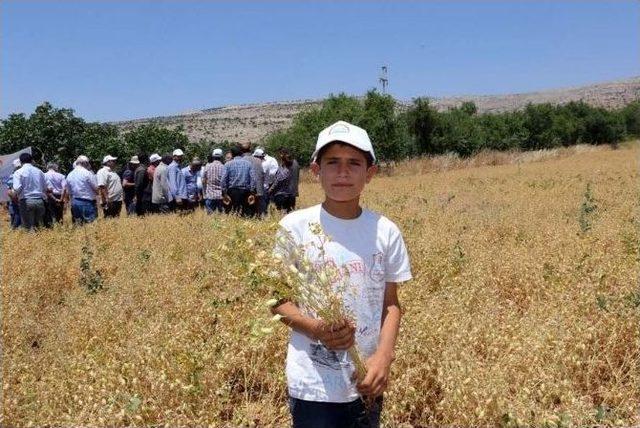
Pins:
x,y
192,174
30,187
177,183
239,183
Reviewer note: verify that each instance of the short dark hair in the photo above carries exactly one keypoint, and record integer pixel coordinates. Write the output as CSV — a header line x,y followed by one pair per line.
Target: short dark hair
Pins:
x,y
236,151
323,150
26,158
167,159
143,158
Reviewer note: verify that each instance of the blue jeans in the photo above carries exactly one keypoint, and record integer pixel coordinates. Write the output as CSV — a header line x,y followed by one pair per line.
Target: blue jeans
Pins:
x,y
213,205
14,215
316,414
83,211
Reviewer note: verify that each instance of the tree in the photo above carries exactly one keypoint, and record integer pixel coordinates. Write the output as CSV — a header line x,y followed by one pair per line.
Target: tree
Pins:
x,y
151,138
300,137
382,125
421,120
57,135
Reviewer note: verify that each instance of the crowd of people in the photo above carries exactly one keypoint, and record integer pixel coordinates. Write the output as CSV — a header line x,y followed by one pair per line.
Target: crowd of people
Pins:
x,y
242,181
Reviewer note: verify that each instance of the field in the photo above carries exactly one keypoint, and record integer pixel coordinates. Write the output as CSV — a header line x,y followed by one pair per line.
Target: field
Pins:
x,y
524,310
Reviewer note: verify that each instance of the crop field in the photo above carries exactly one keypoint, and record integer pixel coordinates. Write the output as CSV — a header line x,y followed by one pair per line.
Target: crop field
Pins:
x,y
524,309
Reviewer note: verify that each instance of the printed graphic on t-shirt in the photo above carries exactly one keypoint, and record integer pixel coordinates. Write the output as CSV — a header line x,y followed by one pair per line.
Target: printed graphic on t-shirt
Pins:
x,y
377,268
321,356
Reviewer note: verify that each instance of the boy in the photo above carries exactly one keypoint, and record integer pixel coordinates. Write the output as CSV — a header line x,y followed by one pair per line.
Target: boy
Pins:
x,y
322,388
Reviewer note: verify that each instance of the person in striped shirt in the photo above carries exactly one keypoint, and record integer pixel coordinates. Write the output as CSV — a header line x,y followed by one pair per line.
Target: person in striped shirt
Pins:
x,y
211,180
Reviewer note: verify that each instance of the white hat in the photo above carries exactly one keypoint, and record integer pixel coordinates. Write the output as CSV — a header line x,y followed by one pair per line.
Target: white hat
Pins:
x,y
217,153
154,158
134,159
16,163
258,153
82,158
178,152
108,158
346,133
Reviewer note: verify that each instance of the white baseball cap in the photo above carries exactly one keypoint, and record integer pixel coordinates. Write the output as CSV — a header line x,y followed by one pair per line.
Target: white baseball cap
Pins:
x,y
108,158
178,152
346,133
81,159
217,153
16,163
154,158
258,153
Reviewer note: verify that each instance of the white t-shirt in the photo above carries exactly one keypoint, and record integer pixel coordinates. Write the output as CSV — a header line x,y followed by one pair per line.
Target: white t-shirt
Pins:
x,y
111,181
372,249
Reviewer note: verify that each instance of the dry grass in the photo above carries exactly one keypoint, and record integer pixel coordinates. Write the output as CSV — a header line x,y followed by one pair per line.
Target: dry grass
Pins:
x,y
519,314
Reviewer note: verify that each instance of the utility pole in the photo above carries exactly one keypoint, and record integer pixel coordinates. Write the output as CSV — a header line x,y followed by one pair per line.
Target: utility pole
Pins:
x,y
384,79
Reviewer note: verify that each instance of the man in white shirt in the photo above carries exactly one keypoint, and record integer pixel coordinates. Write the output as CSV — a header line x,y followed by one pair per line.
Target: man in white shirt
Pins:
x,y
269,167
82,189
56,183
30,187
110,187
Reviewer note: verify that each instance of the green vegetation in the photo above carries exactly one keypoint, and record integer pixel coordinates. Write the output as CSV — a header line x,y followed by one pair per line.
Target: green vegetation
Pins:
x,y
422,130
56,134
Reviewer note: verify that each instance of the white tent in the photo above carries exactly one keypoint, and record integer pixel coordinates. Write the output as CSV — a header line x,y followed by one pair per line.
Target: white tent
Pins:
x,y
6,169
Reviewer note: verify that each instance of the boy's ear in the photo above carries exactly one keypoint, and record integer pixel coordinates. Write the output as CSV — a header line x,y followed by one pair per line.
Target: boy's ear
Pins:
x,y
371,171
315,168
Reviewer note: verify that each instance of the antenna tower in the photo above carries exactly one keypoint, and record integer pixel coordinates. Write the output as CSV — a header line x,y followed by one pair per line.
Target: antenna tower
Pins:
x,y
384,79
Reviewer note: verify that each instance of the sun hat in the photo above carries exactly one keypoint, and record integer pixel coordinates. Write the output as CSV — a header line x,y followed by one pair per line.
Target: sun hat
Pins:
x,y
259,153
346,133
217,153
108,158
196,161
134,159
178,152
154,158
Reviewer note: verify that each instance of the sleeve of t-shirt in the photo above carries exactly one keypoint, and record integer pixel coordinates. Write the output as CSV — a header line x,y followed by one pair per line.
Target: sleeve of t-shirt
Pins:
x,y
397,267
288,240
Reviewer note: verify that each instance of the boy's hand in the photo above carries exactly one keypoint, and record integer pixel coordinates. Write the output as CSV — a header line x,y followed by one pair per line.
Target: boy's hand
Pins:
x,y
377,377
335,336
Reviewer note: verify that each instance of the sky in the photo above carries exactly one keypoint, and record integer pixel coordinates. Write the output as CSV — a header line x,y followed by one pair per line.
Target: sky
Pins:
x,y
121,60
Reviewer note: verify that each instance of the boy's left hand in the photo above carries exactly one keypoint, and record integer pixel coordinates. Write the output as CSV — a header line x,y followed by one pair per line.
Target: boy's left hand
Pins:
x,y
375,381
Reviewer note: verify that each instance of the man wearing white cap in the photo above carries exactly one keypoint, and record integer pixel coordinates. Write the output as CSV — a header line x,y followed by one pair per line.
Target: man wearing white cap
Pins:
x,y
110,188
258,173
147,197
141,180
13,204
211,177
177,183
56,182
81,190
129,185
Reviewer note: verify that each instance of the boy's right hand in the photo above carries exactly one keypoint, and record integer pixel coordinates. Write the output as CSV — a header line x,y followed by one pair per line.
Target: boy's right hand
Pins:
x,y
335,336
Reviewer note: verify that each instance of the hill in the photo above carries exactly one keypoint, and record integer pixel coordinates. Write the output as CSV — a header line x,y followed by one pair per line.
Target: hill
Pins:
x,y
251,122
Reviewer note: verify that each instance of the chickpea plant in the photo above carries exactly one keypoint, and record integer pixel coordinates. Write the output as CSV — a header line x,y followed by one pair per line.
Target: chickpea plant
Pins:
x,y
305,275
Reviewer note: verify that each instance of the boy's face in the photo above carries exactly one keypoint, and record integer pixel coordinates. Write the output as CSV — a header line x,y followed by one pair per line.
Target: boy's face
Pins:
x,y
343,172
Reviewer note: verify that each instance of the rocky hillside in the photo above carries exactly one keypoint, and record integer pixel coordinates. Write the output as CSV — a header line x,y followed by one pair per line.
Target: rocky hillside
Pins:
x,y
251,122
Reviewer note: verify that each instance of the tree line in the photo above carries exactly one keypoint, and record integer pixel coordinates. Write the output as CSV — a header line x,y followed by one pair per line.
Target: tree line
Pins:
x,y
56,134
